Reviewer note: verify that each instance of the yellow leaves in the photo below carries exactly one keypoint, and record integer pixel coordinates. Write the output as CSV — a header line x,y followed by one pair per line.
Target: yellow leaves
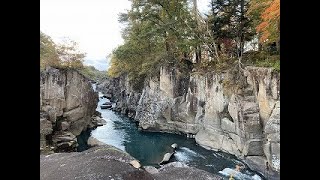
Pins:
x,y
116,67
48,54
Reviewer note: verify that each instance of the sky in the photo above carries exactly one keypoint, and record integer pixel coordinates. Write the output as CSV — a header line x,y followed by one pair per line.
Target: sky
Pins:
x,y
92,23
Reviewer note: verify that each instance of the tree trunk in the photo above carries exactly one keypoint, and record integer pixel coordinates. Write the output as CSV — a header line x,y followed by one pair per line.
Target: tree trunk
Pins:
x,y
241,34
278,41
198,47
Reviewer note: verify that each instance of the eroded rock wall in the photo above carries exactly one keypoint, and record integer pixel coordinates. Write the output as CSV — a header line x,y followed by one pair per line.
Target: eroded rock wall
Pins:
x,y
119,91
67,104
235,113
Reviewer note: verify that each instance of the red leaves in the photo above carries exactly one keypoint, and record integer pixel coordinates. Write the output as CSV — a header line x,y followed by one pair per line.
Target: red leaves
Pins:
x,y
269,27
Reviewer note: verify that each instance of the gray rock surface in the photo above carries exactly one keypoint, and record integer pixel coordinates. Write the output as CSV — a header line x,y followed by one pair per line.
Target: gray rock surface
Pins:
x,y
180,171
100,163
151,169
45,126
64,126
166,158
234,113
258,163
67,101
94,142
65,141
107,163
174,145
119,91
135,163
97,121
272,132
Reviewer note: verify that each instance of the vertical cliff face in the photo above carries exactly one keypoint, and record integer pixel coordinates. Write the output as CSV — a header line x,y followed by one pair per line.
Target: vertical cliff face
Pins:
x,y
67,104
163,102
119,91
235,113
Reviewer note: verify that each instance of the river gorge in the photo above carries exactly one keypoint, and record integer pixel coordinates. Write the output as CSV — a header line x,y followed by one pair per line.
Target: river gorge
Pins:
x,y
215,130
149,147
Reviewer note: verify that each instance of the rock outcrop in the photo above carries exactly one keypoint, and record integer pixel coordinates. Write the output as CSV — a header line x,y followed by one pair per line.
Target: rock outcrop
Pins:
x,y
118,90
178,170
67,104
106,163
238,113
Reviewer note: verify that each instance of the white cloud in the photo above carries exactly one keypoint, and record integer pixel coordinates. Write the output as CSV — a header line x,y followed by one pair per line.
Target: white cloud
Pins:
x,y
100,64
203,5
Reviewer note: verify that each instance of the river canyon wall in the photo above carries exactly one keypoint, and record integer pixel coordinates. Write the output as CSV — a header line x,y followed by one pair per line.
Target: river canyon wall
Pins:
x,y
234,112
67,106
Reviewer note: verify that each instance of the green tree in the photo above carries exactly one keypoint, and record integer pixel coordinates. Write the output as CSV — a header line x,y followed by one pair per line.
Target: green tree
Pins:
x,y
157,32
65,54
92,73
48,52
230,26
70,54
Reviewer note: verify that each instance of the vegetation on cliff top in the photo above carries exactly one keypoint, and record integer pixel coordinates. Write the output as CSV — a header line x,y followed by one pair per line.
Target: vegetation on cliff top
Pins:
x,y
67,56
92,73
63,55
171,32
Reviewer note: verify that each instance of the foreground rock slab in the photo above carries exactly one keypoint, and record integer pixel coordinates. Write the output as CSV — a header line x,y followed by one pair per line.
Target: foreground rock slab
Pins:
x,y
180,171
101,162
105,162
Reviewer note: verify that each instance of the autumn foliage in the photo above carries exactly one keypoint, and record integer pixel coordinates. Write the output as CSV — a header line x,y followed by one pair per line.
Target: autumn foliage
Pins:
x,y
63,55
270,25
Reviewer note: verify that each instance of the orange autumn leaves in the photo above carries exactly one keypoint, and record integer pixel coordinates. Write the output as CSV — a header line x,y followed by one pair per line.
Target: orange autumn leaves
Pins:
x,y
270,24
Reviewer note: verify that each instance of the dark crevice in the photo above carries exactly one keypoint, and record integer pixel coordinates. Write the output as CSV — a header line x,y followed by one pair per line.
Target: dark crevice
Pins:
x,y
82,140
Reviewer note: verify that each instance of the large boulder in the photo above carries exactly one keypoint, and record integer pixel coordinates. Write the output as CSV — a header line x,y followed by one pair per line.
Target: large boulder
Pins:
x,y
97,121
101,162
135,163
166,158
174,145
108,162
94,142
65,141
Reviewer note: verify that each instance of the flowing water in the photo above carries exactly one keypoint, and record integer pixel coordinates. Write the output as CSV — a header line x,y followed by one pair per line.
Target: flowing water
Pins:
x,y
149,147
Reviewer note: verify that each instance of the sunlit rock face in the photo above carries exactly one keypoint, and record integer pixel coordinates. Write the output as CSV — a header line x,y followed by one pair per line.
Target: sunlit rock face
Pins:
x,y
67,104
235,113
